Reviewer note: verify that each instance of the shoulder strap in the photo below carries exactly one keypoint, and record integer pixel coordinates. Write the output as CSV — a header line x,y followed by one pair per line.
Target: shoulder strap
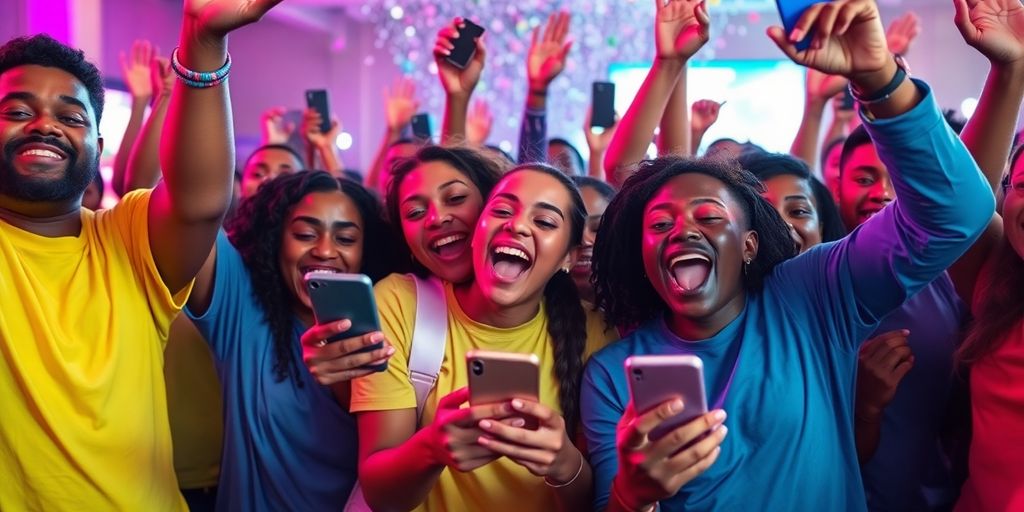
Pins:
x,y
428,338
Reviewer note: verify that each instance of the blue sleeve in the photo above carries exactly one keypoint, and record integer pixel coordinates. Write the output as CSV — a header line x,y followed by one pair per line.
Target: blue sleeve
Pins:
x,y
601,409
533,137
943,204
231,303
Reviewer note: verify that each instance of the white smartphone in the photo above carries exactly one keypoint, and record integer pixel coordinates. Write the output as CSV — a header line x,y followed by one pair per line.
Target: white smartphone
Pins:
x,y
656,379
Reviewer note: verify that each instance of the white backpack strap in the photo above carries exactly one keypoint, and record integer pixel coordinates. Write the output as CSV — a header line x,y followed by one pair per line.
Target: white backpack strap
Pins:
x,y
428,338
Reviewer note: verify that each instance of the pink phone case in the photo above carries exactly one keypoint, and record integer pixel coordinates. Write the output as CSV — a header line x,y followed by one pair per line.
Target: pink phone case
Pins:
x,y
654,380
501,376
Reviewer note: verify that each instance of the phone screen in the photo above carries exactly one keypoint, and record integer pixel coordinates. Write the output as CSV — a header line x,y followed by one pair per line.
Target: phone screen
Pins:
x,y
603,105
421,130
316,99
465,44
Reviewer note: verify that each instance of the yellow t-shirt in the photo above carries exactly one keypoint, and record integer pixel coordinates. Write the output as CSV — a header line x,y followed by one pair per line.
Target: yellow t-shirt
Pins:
x,y
83,414
501,485
193,405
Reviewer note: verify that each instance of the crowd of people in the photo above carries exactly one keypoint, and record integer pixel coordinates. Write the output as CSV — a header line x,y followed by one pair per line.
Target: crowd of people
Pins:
x,y
857,304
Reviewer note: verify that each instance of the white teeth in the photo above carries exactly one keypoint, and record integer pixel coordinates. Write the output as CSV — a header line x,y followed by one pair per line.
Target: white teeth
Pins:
x,y
511,251
688,257
448,240
42,152
323,271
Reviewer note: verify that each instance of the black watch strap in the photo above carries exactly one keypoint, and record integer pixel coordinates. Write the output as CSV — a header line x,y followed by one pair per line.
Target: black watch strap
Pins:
x,y
886,92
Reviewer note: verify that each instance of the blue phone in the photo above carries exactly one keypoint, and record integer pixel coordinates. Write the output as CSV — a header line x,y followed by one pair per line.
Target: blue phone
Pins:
x,y
345,296
790,11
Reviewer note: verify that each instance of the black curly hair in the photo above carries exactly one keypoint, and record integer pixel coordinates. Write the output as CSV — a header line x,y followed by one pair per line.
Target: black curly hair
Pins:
x,y
257,231
43,50
483,171
769,165
567,321
623,291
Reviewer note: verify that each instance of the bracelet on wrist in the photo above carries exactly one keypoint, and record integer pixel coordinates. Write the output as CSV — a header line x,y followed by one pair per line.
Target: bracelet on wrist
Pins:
x,y
885,93
571,480
200,79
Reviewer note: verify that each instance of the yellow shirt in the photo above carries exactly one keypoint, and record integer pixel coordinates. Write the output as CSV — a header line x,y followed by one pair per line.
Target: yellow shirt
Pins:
x,y
193,405
501,485
83,415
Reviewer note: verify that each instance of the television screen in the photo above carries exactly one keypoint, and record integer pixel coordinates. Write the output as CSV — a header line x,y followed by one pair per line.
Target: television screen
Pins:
x,y
765,98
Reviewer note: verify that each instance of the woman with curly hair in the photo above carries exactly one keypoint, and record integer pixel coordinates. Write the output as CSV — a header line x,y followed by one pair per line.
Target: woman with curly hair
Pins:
x,y
289,443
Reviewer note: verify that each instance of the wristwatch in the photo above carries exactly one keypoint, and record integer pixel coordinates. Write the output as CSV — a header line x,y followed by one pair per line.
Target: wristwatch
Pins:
x,y
883,94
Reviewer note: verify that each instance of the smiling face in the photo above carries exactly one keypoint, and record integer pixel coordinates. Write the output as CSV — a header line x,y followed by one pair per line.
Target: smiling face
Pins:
x,y
596,204
864,186
439,206
830,172
792,197
49,136
522,238
695,240
1013,209
264,165
324,231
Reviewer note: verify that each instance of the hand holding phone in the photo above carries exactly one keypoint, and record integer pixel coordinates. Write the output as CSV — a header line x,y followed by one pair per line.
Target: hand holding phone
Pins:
x,y
459,57
603,105
347,297
421,130
316,99
500,377
790,11
464,44
654,380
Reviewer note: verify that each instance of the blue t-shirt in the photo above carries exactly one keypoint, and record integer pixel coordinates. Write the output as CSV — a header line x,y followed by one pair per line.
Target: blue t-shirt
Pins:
x,y
791,444
909,472
285,447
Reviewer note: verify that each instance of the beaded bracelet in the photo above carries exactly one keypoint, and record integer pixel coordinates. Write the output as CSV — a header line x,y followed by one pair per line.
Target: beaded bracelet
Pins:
x,y
200,79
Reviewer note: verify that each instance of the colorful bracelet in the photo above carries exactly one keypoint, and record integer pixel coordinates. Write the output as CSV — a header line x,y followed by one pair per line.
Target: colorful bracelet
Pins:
x,y
200,79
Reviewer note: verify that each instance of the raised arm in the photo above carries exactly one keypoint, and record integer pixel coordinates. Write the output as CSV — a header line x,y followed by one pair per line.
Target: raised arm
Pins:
x,y
544,62
136,72
996,29
197,150
319,145
598,145
943,203
479,123
681,28
703,114
819,88
458,83
400,106
143,169
674,128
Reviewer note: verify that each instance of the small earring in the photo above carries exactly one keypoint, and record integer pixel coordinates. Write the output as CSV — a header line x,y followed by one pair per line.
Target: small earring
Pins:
x,y
746,264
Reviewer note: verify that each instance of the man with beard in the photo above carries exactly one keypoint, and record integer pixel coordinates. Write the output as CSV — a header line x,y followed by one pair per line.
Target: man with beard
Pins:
x,y
87,297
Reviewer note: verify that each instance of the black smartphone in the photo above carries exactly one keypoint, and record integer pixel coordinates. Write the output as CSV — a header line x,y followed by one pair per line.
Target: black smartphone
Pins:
x,y
316,99
602,111
465,44
345,296
848,100
790,11
421,127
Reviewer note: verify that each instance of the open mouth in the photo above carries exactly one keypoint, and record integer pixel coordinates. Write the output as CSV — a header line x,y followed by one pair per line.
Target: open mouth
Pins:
x,y
320,269
690,271
36,152
584,263
509,263
450,246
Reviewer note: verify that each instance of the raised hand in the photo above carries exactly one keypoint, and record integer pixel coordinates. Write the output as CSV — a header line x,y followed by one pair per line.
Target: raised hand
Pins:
x,y
848,38
703,114
821,87
331,363
902,32
883,362
478,123
216,18
161,76
598,142
400,104
135,67
681,28
457,82
650,471
275,130
311,129
994,27
548,52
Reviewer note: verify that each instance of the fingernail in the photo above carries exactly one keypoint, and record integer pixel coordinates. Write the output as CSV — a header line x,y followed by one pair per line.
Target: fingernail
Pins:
x,y
485,424
675,406
723,431
377,337
719,415
796,36
344,324
906,332
519,423
518,404
391,351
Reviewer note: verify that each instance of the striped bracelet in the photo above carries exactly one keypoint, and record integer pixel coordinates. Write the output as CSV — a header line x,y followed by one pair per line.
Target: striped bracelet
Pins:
x,y
200,79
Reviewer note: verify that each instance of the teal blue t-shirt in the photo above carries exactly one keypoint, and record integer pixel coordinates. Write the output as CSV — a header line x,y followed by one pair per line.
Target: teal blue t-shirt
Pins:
x,y
286,447
791,444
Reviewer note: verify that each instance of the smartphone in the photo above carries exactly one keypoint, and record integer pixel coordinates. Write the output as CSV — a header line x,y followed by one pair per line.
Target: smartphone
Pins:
x,y
790,11
602,105
654,380
848,100
465,44
345,296
421,127
501,376
316,99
